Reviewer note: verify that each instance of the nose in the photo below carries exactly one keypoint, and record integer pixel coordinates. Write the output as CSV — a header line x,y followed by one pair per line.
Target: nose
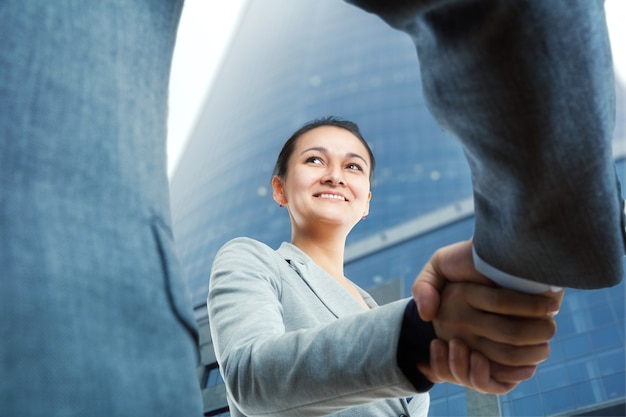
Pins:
x,y
334,176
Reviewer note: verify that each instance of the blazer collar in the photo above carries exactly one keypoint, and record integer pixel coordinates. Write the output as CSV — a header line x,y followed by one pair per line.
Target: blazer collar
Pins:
x,y
325,287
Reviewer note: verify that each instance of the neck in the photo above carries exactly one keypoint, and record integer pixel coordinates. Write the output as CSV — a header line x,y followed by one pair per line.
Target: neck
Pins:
x,y
327,253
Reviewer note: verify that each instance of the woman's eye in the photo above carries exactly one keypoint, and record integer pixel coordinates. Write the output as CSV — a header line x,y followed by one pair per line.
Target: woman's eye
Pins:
x,y
314,160
355,167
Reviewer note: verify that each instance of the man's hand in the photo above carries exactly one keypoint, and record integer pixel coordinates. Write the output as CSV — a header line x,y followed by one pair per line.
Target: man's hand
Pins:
x,y
490,338
496,322
454,263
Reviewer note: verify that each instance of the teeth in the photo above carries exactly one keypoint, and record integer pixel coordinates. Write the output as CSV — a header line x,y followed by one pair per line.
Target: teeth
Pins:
x,y
334,196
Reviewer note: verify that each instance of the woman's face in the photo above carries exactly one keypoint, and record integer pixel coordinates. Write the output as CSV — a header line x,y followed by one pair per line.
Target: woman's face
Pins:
x,y
327,180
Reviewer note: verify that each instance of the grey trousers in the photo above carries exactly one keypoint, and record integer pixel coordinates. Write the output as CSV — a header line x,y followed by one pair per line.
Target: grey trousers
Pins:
x,y
95,317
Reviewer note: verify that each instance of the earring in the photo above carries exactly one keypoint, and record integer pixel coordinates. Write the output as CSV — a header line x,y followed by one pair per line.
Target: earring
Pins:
x,y
364,217
280,205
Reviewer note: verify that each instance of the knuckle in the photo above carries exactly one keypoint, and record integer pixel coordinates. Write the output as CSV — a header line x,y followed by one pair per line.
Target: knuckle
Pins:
x,y
517,357
498,299
544,330
529,355
512,334
553,328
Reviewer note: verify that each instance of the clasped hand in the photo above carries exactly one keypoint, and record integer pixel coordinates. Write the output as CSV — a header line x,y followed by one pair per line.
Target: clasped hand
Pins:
x,y
489,338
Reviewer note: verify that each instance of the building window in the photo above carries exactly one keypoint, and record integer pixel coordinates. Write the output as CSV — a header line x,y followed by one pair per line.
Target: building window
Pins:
x,y
211,377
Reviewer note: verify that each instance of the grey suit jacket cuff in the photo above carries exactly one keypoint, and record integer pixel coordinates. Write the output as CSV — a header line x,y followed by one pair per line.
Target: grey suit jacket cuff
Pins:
x,y
413,347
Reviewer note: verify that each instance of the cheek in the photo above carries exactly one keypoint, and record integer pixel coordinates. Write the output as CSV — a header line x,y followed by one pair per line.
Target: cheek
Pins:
x,y
301,182
294,190
362,189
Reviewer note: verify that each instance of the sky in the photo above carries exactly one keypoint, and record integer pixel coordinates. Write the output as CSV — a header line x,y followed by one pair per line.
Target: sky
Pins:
x,y
205,31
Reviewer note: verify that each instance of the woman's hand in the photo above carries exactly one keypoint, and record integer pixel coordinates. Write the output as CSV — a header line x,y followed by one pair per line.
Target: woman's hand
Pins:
x,y
453,362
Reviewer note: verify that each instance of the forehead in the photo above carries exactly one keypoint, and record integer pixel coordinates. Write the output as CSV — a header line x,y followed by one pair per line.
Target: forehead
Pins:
x,y
334,140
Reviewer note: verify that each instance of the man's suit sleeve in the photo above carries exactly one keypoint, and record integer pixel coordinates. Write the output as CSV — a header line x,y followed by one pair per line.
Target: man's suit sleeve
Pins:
x,y
528,89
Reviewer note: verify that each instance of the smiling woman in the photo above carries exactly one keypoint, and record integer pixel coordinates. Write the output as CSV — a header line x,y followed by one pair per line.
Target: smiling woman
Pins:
x,y
325,181
294,336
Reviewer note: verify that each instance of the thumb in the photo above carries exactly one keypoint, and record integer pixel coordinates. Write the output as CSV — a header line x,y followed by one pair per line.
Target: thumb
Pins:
x,y
425,290
451,263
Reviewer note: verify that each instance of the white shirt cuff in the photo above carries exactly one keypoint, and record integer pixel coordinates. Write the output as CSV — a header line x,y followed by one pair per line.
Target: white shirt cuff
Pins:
x,y
510,281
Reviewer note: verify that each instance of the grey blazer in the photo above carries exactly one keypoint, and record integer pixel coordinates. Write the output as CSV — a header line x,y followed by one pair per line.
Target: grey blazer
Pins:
x,y
290,341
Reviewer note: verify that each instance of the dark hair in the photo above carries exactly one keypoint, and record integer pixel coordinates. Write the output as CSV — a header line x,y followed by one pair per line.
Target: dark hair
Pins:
x,y
280,169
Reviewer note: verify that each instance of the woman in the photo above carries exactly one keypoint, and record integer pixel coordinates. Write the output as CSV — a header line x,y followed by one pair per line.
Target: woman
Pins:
x,y
293,336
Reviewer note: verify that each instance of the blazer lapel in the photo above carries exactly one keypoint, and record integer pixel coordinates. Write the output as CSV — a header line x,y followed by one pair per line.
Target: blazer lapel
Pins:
x,y
338,301
369,300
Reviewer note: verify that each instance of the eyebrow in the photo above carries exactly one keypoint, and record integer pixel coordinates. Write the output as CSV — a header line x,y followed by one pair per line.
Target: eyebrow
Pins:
x,y
325,151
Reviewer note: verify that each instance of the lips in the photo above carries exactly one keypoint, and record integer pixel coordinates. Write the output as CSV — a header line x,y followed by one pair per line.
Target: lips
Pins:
x,y
331,196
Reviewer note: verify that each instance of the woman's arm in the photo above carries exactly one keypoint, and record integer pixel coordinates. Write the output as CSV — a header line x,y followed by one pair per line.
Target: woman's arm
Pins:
x,y
268,370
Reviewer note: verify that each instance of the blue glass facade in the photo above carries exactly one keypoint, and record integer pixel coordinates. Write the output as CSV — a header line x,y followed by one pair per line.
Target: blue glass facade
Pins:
x,y
291,62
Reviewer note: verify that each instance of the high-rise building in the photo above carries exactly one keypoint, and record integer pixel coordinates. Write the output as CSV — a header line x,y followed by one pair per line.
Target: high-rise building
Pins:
x,y
290,62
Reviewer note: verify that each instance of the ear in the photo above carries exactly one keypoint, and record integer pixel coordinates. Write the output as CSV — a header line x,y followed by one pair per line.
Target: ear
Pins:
x,y
278,194
367,205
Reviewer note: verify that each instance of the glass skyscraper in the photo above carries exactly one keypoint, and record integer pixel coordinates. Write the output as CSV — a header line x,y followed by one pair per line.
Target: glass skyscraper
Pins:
x,y
293,61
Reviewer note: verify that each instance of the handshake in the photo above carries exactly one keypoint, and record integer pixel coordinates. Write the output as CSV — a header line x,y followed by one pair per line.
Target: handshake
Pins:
x,y
488,338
